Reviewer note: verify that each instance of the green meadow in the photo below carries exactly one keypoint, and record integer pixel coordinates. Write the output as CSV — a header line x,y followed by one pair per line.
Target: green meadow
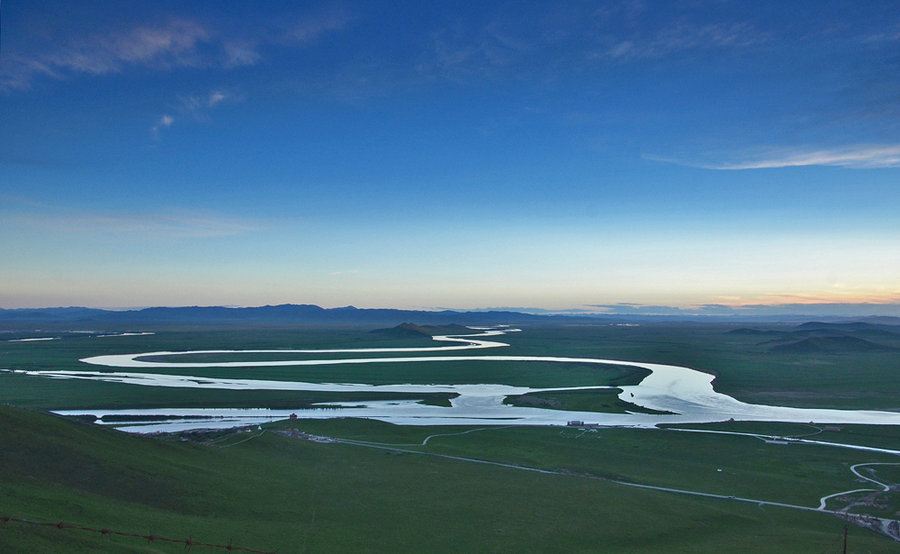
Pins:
x,y
268,491
277,493
744,366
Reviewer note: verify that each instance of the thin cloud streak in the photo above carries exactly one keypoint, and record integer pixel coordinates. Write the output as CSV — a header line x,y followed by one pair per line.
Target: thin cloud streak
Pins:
x,y
198,105
887,306
856,157
176,43
851,157
178,225
171,44
682,37
312,27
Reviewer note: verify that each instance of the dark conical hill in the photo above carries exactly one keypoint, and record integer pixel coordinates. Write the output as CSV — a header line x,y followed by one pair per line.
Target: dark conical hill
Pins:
x,y
413,330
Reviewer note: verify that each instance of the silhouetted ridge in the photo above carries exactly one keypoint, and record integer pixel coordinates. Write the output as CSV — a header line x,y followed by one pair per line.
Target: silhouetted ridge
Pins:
x,y
411,329
748,331
283,314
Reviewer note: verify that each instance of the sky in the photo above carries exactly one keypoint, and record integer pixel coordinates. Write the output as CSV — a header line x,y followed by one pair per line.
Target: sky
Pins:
x,y
556,155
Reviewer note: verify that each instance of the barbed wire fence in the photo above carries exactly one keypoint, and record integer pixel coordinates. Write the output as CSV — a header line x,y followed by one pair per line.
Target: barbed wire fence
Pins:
x,y
188,542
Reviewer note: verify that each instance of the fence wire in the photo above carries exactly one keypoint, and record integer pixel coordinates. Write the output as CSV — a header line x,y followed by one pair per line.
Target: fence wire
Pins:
x,y
188,542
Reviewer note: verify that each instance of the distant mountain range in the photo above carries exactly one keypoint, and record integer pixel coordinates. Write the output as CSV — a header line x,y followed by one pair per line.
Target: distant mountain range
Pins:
x,y
309,314
297,314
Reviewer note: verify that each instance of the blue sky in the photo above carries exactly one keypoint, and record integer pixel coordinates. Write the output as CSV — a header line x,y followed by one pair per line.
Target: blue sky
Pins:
x,y
418,154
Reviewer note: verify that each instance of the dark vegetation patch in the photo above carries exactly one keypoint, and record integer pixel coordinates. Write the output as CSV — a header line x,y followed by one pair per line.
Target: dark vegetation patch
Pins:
x,y
594,400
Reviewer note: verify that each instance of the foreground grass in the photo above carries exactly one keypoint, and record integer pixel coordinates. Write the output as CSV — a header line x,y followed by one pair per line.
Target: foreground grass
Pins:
x,y
277,493
877,436
719,464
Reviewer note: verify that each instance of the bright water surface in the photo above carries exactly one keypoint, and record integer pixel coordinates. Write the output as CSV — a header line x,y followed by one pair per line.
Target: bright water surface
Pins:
x,y
686,393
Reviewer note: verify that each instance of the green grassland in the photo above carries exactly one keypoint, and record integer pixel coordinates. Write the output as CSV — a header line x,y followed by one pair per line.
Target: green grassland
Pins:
x,y
278,493
797,474
877,436
743,365
274,492
39,392
525,374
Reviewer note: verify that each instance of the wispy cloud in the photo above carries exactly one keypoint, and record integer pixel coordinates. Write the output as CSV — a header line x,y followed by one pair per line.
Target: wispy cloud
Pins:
x,y
864,156
22,201
215,97
197,105
885,306
295,32
174,224
172,43
164,122
311,27
572,38
681,37
463,53
240,53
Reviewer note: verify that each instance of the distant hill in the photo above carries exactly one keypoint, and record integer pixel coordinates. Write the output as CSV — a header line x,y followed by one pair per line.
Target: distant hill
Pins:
x,y
70,318
50,314
828,345
413,330
843,326
284,314
853,328
755,332
883,320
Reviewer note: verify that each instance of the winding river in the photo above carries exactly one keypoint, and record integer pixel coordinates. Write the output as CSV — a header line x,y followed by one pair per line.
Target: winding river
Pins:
x,y
687,394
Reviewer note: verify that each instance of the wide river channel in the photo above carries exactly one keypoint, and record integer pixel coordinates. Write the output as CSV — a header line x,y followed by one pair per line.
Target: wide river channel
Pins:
x,y
686,394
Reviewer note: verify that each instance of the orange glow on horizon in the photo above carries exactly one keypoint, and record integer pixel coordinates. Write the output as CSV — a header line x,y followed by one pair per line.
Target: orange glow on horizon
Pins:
x,y
850,297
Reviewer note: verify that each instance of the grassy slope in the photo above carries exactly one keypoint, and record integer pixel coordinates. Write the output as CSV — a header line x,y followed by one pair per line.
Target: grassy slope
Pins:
x,y
796,474
279,493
